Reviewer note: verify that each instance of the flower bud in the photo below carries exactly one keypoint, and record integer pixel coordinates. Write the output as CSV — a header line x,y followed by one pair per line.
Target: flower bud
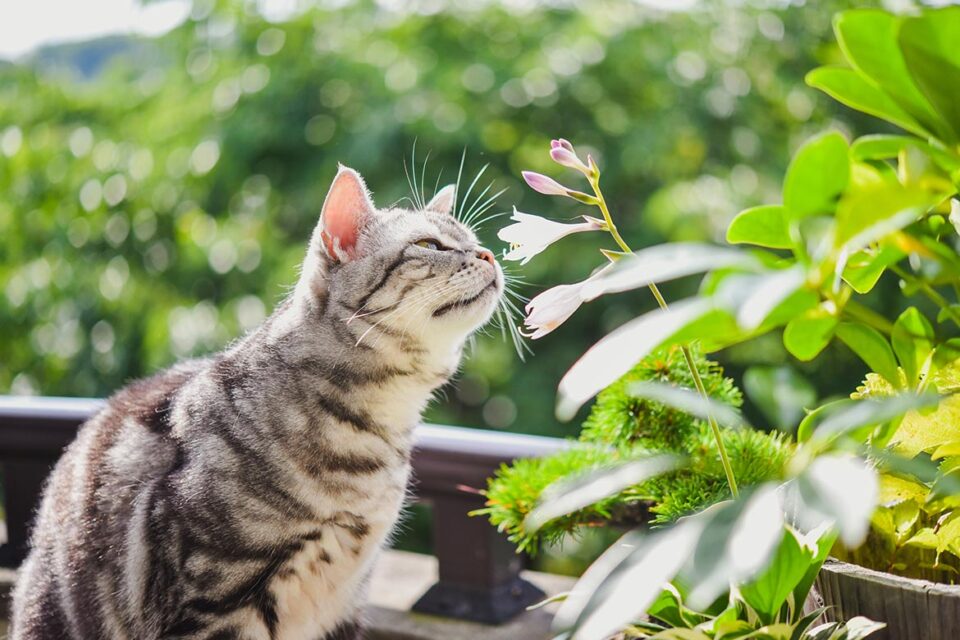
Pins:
x,y
542,184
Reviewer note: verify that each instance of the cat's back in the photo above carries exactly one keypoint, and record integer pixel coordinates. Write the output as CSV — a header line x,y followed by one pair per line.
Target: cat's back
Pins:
x,y
88,503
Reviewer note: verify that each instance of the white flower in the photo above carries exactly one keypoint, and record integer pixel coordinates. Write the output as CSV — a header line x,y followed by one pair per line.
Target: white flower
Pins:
x,y
531,234
551,308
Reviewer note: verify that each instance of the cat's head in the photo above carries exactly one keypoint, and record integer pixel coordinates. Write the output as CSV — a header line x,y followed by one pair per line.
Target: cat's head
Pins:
x,y
418,272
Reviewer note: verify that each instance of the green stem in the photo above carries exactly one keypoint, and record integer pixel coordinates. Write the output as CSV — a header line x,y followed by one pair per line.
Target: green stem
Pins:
x,y
935,296
687,355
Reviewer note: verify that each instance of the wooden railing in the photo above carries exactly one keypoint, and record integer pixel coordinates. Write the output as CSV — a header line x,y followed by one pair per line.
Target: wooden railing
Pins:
x,y
479,571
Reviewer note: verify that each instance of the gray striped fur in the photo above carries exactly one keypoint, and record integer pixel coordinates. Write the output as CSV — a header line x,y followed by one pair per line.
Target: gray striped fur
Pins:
x,y
246,495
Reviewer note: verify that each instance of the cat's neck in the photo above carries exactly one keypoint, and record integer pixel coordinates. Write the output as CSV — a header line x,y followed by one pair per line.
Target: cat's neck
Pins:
x,y
386,375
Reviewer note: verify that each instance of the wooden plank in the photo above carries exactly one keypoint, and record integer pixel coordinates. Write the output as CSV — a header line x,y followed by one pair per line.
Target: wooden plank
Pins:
x,y
913,609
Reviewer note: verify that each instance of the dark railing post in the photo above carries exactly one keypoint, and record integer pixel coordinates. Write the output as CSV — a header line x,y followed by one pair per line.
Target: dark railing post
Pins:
x,y
479,569
479,572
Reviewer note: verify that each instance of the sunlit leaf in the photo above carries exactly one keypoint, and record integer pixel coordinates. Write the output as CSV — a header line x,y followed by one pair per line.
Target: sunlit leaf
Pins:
x,y
662,263
835,488
864,268
807,335
853,414
769,291
616,353
870,345
853,90
569,495
817,176
886,147
770,590
764,226
912,339
868,38
688,401
633,583
929,46
734,546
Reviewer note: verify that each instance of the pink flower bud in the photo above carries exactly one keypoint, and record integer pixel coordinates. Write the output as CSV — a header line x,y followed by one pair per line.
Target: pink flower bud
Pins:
x,y
542,184
561,143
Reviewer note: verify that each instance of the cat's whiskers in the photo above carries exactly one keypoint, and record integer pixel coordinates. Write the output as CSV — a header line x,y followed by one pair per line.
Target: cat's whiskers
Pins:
x,y
435,289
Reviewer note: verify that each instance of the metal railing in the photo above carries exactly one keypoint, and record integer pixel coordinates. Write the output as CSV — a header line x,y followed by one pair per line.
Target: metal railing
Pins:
x,y
479,571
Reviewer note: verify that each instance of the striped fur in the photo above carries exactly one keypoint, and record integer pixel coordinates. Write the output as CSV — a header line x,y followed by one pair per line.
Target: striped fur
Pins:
x,y
246,495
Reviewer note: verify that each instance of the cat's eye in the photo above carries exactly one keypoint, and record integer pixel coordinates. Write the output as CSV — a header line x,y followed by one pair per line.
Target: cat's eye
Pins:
x,y
428,243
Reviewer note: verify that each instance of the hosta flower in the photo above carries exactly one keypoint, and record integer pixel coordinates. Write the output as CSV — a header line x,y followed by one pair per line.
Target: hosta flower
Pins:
x,y
563,153
551,308
531,234
550,187
544,184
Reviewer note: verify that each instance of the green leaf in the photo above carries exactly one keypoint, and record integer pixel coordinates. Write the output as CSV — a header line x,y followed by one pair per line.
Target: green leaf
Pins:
x,y
852,89
925,539
817,175
894,490
779,392
912,339
929,45
806,336
768,592
927,431
615,354
868,39
885,147
872,348
764,226
864,268
875,210
569,495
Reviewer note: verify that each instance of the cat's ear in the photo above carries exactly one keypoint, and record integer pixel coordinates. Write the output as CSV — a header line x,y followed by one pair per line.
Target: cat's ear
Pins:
x,y
444,201
346,209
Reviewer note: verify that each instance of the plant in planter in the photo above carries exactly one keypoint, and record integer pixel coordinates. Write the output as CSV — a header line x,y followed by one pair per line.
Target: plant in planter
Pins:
x,y
850,214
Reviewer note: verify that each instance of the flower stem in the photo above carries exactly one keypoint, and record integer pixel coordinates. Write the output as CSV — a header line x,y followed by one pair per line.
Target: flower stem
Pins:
x,y
687,355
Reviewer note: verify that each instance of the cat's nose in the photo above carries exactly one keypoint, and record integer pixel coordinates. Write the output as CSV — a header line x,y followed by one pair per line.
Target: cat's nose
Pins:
x,y
486,256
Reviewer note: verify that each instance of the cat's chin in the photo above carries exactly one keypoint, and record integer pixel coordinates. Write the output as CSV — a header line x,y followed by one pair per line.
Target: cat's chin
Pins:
x,y
476,306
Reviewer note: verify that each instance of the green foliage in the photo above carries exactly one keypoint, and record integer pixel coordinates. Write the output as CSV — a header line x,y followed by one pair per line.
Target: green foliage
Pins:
x,y
177,257
622,426
769,606
621,418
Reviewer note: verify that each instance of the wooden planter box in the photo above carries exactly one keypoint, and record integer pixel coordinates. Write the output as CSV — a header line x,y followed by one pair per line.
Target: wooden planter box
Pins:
x,y
913,609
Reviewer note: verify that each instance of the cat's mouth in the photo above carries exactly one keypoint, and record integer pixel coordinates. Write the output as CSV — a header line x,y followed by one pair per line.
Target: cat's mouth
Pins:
x,y
491,288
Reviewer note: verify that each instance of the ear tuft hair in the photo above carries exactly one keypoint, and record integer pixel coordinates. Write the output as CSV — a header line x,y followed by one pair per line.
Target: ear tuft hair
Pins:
x,y
346,209
444,200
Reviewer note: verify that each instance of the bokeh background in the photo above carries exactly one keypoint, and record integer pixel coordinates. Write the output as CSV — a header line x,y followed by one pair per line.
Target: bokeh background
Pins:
x,y
156,193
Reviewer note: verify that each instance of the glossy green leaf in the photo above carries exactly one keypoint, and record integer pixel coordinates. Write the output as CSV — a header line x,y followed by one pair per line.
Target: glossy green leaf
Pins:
x,y
870,345
852,89
929,45
806,336
817,175
912,339
868,214
764,226
768,592
885,147
868,39
569,495
864,268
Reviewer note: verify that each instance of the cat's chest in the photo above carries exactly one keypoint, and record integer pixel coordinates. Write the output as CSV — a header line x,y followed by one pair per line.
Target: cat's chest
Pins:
x,y
322,584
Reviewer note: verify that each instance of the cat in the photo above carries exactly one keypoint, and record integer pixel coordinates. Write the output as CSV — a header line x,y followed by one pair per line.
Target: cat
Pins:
x,y
246,495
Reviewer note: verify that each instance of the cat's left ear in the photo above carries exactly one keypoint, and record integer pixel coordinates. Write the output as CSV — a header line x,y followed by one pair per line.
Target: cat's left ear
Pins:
x,y
444,201
346,209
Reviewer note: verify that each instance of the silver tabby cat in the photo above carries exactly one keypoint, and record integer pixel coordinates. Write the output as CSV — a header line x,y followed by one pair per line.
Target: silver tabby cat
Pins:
x,y
246,495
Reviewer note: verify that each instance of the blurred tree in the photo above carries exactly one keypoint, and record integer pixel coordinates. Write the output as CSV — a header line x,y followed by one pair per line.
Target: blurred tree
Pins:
x,y
156,195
